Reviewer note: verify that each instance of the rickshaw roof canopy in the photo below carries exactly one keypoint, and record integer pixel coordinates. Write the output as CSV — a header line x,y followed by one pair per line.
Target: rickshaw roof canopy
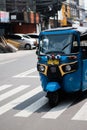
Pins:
x,y
82,31
59,31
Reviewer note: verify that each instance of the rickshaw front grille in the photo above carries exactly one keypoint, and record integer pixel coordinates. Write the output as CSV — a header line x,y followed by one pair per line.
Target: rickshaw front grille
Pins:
x,y
53,73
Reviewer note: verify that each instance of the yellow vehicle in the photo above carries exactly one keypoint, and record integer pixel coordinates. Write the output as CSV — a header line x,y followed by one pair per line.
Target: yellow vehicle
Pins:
x,y
14,43
5,46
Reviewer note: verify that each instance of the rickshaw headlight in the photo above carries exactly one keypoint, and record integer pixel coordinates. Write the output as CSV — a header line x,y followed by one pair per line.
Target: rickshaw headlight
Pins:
x,y
68,68
41,68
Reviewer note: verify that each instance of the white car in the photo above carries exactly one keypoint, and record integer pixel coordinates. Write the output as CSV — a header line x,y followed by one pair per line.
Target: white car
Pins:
x,y
26,42
34,36
29,43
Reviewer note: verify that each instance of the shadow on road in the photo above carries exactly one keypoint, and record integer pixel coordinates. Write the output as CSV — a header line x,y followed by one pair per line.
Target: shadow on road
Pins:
x,y
74,98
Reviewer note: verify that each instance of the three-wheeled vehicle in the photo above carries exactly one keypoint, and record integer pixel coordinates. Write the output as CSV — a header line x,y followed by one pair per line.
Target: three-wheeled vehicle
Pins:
x,y
62,62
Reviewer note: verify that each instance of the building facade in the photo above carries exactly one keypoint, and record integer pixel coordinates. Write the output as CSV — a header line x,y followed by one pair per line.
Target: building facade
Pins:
x,y
22,16
3,5
77,9
17,5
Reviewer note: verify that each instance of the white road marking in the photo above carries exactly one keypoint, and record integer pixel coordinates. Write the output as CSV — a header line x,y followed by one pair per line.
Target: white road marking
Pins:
x,y
24,74
3,87
57,111
19,100
12,92
32,108
31,76
81,114
9,61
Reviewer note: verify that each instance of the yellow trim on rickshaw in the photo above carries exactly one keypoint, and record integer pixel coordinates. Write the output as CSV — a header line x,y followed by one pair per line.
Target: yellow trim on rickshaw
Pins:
x,y
53,62
61,70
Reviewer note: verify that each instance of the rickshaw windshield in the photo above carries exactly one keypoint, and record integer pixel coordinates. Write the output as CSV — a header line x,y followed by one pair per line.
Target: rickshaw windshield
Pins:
x,y
56,43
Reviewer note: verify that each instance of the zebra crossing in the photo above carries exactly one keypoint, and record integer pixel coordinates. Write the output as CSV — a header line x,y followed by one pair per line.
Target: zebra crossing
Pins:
x,y
27,73
8,90
81,114
19,100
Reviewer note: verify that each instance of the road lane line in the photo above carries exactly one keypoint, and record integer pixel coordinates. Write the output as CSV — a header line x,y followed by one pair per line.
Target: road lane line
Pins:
x,y
6,62
81,114
32,76
57,111
19,100
12,92
32,108
24,74
5,86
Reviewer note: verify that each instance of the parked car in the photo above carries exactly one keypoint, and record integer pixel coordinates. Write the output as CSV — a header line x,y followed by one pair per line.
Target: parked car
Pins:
x,y
26,42
34,36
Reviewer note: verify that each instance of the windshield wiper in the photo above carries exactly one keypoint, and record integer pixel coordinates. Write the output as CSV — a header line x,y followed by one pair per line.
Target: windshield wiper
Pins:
x,y
66,46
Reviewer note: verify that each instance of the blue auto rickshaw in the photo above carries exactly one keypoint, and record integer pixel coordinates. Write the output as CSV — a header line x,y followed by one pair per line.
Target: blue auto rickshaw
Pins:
x,y
62,62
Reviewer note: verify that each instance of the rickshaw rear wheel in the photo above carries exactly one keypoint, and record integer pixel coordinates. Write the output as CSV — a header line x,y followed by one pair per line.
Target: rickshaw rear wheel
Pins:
x,y
53,98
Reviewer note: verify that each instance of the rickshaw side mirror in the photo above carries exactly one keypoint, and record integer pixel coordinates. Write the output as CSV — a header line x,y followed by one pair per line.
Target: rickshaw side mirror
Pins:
x,y
37,51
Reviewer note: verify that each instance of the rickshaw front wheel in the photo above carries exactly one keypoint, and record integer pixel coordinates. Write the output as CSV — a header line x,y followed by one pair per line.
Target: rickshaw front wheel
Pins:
x,y
53,98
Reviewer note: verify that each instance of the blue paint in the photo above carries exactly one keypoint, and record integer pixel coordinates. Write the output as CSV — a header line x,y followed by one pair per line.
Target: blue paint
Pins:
x,y
52,87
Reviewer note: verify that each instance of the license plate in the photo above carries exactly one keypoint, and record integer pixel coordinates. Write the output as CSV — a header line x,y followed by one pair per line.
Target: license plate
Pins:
x,y
53,62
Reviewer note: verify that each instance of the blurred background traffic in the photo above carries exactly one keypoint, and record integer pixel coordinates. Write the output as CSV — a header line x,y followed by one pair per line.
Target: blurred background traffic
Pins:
x,y
15,42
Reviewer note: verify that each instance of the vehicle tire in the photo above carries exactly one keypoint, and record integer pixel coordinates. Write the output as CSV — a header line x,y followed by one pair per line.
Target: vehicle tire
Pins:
x,y
53,98
28,47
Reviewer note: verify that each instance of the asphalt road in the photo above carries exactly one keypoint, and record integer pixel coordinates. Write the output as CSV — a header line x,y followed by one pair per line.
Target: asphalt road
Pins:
x,y
23,105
